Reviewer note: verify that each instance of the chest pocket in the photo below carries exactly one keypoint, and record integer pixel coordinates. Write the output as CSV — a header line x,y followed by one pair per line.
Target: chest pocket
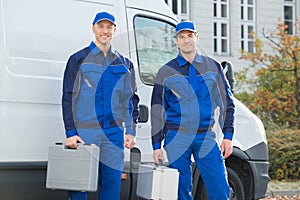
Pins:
x,y
207,84
117,77
90,75
179,88
118,72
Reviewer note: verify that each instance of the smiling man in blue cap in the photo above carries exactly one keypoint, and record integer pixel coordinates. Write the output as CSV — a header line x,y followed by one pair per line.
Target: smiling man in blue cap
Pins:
x,y
99,95
187,92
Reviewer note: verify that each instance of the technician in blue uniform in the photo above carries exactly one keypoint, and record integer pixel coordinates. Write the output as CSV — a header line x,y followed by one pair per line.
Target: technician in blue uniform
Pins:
x,y
187,92
98,96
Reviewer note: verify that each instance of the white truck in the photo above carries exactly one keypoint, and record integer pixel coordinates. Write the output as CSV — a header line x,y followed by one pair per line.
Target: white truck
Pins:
x,y
36,39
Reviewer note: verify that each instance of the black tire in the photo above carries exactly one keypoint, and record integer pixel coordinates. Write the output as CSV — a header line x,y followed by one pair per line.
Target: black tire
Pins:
x,y
235,183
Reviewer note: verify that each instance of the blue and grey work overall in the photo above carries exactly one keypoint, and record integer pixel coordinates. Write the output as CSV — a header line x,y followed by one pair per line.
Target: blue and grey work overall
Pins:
x,y
102,98
188,95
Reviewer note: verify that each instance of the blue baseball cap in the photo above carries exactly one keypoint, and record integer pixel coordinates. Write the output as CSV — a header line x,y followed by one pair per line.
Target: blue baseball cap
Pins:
x,y
185,25
104,16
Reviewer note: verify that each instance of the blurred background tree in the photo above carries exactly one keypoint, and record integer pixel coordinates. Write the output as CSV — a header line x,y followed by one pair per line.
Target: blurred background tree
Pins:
x,y
273,79
270,87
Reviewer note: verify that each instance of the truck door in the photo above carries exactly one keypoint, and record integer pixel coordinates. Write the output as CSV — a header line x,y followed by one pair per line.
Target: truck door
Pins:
x,y
152,45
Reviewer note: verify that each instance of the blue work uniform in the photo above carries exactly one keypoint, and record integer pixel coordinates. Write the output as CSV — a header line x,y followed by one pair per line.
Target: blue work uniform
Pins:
x,y
98,96
186,97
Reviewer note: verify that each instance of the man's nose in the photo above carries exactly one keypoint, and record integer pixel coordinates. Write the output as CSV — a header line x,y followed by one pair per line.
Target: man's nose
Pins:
x,y
186,40
105,30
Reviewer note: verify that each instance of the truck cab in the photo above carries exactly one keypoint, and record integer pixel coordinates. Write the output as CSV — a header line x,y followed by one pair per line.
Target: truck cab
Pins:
x,y
36,39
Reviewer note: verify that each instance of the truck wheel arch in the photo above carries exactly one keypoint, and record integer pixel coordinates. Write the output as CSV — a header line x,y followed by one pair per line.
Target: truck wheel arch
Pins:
x,y
239,177
235,183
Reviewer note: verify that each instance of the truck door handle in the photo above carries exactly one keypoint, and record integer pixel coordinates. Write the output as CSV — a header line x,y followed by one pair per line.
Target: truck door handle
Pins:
x,y
143,114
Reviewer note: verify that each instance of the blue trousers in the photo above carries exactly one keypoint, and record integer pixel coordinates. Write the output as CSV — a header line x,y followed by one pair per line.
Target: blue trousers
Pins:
x,y
111,162
208,158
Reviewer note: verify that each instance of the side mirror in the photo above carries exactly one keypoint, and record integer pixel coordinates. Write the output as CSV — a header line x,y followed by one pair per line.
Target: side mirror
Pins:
x,y
228,71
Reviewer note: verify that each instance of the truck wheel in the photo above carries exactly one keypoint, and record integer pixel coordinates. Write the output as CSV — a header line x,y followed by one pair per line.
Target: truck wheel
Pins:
x,y
235,183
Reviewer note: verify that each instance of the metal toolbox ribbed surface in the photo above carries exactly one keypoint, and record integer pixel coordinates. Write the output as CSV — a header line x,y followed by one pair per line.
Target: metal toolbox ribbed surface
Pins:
x,y
157,182
73,169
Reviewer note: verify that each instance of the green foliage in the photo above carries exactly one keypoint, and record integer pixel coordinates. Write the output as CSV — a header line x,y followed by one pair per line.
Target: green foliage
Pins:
x,y
284,154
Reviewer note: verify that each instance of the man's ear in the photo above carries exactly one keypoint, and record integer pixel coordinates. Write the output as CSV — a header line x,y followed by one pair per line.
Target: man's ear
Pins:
x,y
197,36
115,30
93,29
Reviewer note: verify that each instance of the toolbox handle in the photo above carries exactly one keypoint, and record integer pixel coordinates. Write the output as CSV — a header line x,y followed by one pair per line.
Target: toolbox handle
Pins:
x,y
78,145
160,163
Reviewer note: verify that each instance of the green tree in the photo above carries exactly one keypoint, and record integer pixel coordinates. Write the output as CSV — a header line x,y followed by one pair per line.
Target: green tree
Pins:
x,y
273,91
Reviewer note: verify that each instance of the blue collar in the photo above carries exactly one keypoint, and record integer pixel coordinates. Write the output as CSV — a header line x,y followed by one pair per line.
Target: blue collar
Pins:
x,y
95,50
182,61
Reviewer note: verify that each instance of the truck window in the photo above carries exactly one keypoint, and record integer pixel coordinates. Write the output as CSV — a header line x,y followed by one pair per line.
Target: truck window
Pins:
x,y
155,45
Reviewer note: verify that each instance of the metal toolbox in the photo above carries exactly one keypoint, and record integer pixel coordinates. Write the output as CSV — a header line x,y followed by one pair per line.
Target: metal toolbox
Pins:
x,y
73,169
158,183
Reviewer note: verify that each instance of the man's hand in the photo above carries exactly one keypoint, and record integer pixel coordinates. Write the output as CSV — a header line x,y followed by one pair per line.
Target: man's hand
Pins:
x,y
71,142
158,155
129,141
227,147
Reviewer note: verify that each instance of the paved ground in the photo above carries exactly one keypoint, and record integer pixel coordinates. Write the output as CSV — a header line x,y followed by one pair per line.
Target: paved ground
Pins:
x,y
283,190
283,197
